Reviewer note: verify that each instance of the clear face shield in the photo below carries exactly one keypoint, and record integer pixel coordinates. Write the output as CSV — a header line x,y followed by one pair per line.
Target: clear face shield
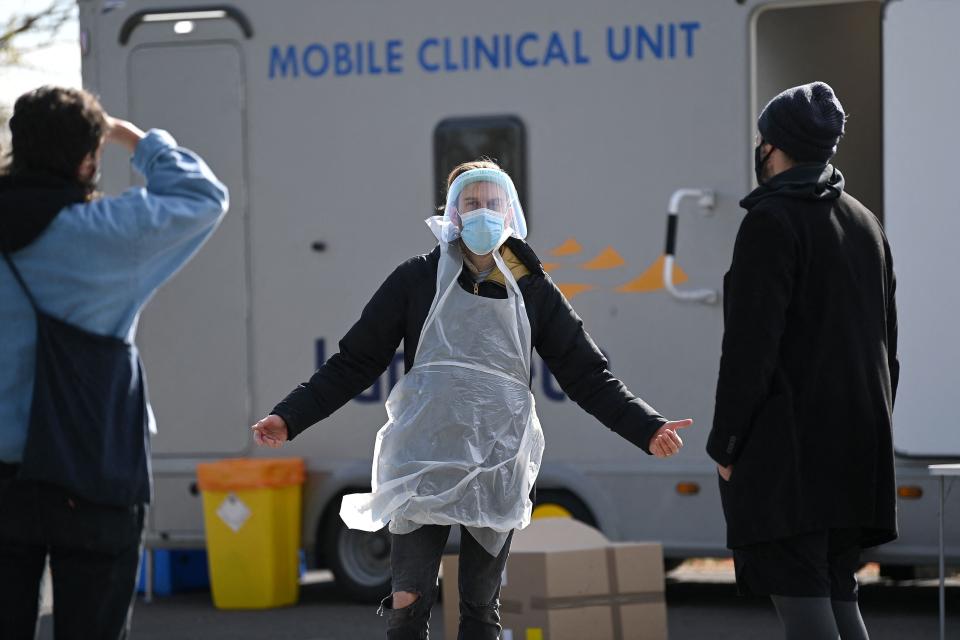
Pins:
x,y
483,210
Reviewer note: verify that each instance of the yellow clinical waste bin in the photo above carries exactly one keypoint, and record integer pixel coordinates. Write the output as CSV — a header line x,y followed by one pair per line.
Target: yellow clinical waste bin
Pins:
x,y
251,510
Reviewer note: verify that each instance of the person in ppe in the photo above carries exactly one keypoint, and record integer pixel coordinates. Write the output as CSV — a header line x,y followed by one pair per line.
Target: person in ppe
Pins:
x,y
462,443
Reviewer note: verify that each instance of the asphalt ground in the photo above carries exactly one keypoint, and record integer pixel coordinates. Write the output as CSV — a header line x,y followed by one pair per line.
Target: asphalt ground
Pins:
x,y
701,603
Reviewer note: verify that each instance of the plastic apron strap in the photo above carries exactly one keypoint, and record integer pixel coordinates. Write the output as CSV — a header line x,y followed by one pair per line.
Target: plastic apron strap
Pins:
x,y
513,290
448,270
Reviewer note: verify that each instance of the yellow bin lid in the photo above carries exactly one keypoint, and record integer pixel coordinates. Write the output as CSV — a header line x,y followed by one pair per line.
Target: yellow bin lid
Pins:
x,y
250,473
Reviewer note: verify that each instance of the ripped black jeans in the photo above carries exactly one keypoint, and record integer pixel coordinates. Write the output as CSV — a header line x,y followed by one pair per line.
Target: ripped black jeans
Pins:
x,y
415,561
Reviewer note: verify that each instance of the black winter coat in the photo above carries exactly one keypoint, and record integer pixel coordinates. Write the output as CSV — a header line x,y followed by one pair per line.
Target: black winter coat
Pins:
x,y
809,368
397,312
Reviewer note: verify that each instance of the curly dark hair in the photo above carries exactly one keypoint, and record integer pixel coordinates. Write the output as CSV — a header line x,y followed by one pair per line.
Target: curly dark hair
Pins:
x,y
52,131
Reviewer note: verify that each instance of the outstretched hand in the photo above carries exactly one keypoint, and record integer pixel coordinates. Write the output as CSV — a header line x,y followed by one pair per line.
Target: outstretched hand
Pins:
x,y
666,441
270,432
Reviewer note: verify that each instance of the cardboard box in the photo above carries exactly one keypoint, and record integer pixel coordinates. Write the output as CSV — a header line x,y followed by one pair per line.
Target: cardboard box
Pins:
x,y
566,581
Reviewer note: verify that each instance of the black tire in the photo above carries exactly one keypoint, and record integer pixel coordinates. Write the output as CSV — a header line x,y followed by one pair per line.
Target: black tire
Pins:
x,y
567,501
669,564
898,572
359,560
581,512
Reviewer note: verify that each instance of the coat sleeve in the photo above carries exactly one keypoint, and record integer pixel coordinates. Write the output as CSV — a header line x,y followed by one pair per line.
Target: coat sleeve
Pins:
x,y
159,227
893,360
365,352
583,372
758,290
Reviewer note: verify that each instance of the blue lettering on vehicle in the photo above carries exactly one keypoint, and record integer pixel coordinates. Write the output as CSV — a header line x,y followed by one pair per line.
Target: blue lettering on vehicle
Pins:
x,y
446,54
394,56
316,60
284,62
522,43
426,63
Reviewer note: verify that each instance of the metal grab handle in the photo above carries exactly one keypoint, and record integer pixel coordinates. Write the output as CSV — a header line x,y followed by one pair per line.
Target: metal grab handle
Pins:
x,y
171,14
706,200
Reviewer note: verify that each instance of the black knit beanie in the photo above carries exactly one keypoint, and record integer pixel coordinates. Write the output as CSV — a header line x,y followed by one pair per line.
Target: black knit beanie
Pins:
x,y
805,122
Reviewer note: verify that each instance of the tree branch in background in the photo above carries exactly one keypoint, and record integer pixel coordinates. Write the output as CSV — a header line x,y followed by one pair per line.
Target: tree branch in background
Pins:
x,y
43,25
5,113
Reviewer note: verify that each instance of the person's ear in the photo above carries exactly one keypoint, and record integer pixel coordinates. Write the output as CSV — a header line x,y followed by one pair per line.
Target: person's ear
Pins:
x,y
88,167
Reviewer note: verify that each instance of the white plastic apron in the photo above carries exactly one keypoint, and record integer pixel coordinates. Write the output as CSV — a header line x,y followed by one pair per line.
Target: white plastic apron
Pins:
x,y
462,443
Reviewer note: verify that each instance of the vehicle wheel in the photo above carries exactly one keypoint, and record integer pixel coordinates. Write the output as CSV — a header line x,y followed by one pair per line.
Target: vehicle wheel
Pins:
x,y
669,564
556,503
359,560
898,572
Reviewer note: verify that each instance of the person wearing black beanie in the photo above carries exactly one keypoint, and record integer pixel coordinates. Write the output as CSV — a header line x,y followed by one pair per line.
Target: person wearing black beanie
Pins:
x,y
802,431
805,122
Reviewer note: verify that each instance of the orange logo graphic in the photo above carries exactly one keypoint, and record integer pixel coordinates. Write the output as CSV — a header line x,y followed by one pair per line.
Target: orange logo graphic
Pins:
x,y
650,280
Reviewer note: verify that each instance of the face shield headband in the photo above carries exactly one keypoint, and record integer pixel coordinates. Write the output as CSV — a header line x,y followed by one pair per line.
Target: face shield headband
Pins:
x,y
495,191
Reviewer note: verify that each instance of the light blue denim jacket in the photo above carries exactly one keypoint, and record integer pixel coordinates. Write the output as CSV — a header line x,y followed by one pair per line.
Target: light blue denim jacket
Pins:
x,y
99,262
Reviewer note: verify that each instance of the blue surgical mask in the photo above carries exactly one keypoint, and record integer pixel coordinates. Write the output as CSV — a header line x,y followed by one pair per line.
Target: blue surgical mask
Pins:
x,y
482,229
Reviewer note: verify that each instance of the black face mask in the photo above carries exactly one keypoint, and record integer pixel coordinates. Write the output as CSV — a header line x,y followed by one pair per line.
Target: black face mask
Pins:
x,y
759,161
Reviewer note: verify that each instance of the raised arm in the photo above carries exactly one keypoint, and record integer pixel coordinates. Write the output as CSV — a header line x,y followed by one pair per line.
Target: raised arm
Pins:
x,y
365,352
582,372
157,228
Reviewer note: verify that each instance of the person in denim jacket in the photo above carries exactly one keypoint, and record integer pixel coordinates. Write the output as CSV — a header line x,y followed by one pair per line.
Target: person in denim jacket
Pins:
x,y
93,262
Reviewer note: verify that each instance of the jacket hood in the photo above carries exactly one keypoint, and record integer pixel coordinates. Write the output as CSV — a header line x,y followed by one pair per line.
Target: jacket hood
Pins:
x,y
28,204
808,181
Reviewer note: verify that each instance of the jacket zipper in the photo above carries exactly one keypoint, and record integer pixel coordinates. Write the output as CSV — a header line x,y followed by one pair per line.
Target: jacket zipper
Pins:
x,y
476,288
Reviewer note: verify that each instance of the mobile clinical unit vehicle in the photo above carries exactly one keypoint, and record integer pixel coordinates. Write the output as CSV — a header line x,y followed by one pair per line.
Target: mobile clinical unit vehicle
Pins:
x,y
335,123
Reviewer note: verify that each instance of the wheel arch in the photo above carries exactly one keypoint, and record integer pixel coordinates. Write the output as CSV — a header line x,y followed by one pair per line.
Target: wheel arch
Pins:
x,y
564,477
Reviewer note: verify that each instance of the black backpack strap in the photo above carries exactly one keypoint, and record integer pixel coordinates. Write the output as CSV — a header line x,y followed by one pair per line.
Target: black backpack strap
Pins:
x,y
23,285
